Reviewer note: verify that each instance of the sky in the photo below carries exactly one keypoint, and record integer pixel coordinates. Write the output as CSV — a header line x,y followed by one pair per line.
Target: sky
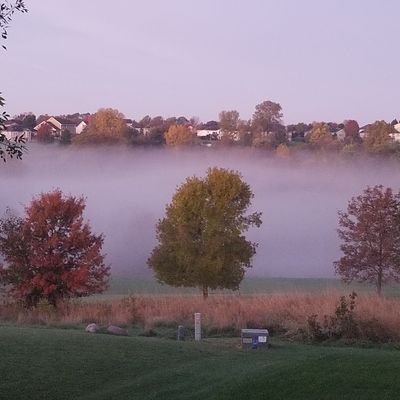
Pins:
x,y
325,60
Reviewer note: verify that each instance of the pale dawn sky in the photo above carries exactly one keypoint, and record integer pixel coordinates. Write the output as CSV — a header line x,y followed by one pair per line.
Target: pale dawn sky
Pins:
x,y
324,60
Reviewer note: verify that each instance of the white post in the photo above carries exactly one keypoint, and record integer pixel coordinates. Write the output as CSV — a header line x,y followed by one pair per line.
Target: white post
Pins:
x,y
197,326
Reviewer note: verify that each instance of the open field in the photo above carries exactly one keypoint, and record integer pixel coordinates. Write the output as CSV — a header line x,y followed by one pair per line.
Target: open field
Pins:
x,y
136,285
38,363
283,313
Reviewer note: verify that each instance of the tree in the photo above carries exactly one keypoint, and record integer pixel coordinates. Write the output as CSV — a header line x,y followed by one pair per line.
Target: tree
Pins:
x,y
377,138
105,126
267,117
179,135
370,235
351,129
320,135
51,254
28,120
229,124
200,239
66,137
16,147
282,151
44,134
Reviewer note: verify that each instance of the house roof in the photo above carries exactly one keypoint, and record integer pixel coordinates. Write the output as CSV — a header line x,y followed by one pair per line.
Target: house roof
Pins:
x,y
65,121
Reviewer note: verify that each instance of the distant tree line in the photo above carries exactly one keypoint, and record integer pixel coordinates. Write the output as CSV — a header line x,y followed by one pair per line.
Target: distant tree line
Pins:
x,y
265,131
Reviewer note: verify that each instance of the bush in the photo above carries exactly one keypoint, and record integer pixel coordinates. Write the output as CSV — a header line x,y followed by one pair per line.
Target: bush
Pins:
x,y
344,325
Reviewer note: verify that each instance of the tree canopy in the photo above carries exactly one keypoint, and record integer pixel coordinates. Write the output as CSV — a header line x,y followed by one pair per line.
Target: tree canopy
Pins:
x,y
377,138
179,135
105,126
200,239
267,117
370,235
51,254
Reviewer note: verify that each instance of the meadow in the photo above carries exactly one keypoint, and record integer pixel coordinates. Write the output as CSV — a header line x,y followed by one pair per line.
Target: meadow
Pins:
x,y
42,363
284,306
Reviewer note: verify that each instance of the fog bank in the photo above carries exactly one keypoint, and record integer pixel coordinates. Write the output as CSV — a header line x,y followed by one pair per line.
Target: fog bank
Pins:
x,y
127,191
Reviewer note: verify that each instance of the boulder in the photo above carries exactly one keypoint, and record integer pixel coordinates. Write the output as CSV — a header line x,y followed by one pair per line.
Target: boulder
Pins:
x,y
92,328
116,330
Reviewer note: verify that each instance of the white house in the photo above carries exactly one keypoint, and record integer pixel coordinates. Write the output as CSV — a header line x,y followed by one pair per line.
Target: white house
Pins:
x,y
81,127
395,136
13,135
209,134
341,135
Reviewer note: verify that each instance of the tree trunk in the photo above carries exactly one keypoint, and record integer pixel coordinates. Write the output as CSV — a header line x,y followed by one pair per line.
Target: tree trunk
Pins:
x,y
379,283
205,292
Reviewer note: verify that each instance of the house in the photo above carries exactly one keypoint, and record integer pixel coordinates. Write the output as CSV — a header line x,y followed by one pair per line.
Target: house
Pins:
x,y
340,135
12,136
58,125
80,127
207,134
395,136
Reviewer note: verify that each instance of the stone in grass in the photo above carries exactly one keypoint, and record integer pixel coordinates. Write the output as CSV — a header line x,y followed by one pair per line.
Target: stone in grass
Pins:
x,y
92,328
116,330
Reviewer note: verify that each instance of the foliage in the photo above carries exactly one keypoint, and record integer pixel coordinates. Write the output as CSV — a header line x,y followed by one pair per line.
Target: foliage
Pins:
x,y
11,148
106,126
66,137
44,134
267,117
345,324
352,129
377,138
283,151
229,124
51,253
320,136
370,235
179,135
201,242
341,324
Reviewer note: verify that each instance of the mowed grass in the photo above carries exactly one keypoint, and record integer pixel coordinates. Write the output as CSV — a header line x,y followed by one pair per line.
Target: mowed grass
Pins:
x,y
38,363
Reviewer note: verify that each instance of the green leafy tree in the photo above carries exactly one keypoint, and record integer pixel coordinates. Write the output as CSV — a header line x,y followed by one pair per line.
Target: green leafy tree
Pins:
x,y
370,235
200,239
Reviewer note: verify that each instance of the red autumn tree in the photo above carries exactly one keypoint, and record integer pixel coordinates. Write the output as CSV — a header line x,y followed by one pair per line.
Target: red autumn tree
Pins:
x,y
370,234
51,254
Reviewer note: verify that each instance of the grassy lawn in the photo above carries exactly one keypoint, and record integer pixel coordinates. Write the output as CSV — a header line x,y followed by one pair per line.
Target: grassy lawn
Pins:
x,y
52,364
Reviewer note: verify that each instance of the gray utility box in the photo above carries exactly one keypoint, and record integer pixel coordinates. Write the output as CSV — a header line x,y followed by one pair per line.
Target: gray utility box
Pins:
x,y
255,338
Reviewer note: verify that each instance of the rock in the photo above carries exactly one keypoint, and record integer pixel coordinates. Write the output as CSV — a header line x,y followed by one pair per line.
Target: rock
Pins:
x,y
92,328
116,330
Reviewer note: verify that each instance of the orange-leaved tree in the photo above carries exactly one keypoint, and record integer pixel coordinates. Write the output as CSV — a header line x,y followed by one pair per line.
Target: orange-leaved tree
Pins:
x,y
179,135
51,254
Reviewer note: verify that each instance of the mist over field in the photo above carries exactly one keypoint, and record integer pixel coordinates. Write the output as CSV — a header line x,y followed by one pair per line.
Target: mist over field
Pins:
x,y
127,191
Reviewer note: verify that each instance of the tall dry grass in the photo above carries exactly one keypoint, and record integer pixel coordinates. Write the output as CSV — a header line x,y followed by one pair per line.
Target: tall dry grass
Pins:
x,y
283,312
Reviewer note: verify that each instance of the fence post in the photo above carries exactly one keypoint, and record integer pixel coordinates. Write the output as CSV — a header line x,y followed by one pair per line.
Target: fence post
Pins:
x,y
197,326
